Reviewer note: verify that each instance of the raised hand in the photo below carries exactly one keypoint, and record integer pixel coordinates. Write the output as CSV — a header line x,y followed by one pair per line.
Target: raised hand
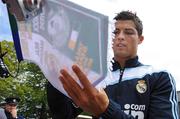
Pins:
x,y
86,96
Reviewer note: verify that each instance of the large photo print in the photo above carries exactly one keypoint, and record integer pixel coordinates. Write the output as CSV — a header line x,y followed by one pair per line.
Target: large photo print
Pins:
x,y
64,34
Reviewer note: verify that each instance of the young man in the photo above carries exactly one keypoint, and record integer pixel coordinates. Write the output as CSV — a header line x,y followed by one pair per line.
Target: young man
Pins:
x,y
133,91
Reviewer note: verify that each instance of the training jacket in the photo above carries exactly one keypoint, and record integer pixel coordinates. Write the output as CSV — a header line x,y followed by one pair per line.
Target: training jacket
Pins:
x,y
137,91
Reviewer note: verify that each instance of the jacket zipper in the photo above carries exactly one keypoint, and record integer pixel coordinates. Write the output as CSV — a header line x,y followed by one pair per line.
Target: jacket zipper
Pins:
x,y
121,74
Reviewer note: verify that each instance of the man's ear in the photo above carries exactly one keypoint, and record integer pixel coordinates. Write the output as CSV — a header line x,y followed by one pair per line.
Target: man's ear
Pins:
x,y
141,39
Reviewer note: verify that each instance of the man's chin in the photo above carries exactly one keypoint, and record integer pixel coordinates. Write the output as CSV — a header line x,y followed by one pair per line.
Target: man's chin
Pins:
x,y
121,55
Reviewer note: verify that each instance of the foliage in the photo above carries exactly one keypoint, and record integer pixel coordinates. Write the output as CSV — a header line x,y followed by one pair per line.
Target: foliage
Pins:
x,y
29,84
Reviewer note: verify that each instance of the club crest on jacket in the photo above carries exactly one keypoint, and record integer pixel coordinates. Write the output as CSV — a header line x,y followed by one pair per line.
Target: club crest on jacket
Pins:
x,y
141,86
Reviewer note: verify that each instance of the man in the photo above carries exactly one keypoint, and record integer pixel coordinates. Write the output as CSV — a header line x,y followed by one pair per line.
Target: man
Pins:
x,y
10,108
133,91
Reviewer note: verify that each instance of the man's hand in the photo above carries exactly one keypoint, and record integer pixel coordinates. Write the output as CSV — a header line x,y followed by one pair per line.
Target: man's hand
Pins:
x,y
87,97
14,112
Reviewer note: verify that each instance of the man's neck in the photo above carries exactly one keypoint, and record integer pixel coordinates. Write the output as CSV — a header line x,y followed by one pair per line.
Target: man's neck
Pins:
x,y
122,60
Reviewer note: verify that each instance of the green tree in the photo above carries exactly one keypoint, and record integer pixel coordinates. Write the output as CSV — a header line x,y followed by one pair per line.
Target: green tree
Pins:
x,y
26,81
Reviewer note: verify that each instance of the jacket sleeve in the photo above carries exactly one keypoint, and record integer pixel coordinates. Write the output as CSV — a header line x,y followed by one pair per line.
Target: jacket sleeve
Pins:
x,y
61,107
114,112
163,98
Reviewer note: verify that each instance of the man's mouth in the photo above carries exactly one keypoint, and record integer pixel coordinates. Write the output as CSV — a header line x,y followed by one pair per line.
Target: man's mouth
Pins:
x,y
121,45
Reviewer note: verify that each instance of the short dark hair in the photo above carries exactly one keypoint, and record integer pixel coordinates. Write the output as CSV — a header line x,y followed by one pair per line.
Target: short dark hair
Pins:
x,y
128,15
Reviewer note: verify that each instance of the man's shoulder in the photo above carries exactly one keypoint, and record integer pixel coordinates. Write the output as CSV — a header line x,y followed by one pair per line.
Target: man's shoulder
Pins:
x,y
153,68
2,114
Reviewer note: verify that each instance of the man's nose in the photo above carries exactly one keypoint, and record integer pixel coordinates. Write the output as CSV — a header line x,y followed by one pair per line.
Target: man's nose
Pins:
x,y
121,36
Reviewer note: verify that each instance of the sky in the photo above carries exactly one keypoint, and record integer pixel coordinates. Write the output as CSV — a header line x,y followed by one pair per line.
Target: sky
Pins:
x,y
161,20
5,32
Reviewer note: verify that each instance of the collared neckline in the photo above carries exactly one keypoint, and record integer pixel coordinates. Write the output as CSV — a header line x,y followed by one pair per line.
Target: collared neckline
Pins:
x,y
133,62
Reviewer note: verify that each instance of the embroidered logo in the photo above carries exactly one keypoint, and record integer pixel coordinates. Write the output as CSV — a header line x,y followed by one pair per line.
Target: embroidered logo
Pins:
x,y
141,86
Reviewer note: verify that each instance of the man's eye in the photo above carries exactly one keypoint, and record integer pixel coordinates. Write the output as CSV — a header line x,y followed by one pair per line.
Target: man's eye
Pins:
x,y
115,32
129,32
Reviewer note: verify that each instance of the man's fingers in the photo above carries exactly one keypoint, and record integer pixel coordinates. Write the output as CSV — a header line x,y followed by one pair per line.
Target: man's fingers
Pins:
x,y
65,74
71,86
82,77
66,88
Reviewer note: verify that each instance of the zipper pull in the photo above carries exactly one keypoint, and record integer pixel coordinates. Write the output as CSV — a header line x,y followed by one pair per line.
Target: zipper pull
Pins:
x,y
121,75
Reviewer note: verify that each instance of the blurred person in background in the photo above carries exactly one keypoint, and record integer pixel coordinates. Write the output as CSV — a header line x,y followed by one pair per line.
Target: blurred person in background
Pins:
x,y
10,108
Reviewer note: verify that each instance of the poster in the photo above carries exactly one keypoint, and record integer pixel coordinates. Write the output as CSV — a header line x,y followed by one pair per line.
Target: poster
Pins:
x,y
61,35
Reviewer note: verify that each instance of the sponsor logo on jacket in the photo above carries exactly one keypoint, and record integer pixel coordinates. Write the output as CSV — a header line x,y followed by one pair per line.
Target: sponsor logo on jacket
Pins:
x,y
137,111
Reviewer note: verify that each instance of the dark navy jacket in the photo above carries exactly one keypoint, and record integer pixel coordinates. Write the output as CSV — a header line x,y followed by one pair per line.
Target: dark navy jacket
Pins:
x,y
136,92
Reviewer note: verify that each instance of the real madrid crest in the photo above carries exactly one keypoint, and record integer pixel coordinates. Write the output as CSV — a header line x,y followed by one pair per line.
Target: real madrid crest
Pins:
x,y
141,86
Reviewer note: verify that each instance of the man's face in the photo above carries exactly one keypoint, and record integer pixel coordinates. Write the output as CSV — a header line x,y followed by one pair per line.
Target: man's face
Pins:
x,y
10,107
125,40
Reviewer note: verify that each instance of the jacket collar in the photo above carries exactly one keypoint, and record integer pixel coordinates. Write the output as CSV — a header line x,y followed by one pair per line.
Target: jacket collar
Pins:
x,y
129,63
